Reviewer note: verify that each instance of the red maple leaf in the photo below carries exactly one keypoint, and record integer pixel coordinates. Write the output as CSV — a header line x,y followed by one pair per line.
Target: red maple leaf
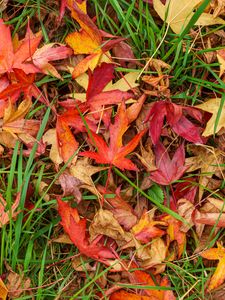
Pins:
x,y
168,170
76,229
11,58
24,54
24,83
176,119
115,153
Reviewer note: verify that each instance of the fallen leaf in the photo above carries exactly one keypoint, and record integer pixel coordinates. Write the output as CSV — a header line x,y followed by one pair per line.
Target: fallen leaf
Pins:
x,y
50,52
16,284
115,153
209,160
67,143
76,229
51,139
175,115
145,230
3,290
219,275
121,209
212,106
168,170
175,234
83,170
87,41
104,223
142,278
13,123
120,295
11,58
70,185
11,213
178,14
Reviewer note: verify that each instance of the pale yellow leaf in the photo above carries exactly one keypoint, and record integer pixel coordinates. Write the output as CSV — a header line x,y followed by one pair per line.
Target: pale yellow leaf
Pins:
x,y
212,106
177,14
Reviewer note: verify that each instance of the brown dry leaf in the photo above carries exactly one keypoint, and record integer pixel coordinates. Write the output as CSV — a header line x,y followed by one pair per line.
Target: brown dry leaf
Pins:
x,y
63,238
5,216
42,187
3,5
218,7
211,213
152,255
177,14
3,290
70,185
83,171
16,283
13,123
80,265
185,209
147,156
51,139
121,209
104,223
209,160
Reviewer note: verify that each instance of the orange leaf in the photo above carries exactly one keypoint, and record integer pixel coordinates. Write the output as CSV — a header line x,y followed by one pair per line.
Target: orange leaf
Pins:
x,y
146,229
121,295
16,58
87,41
76,229
219,276
175,234
67,143
115,153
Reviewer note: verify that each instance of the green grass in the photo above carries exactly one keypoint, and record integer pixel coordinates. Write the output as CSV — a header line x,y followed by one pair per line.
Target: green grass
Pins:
x,y
26,243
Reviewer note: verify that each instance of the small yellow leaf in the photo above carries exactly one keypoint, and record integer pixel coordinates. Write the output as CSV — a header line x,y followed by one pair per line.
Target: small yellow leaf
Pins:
x,y
212,106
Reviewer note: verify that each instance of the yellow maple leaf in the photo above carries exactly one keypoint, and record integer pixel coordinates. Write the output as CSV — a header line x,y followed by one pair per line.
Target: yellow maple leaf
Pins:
x,y
86,41
212,106
177,14
219,275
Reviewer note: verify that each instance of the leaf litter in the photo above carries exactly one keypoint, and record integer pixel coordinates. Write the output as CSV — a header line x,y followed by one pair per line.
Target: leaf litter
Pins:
x,y
104,118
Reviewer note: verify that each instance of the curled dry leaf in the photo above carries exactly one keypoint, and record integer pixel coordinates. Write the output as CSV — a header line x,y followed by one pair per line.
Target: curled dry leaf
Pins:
x,y
185,209
209,160
175,234
83,170
121,209
13,123
105,223
16,284
70,185
50,138
147,156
